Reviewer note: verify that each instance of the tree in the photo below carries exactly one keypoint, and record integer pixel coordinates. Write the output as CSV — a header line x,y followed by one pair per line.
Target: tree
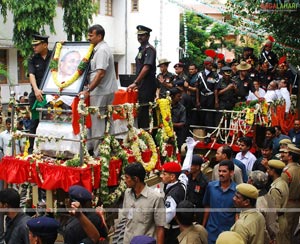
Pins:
x,y
33,16
281,23
202,34
76,21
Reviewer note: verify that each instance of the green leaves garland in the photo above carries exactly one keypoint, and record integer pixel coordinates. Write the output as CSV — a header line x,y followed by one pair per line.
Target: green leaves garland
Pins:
x,y
110,145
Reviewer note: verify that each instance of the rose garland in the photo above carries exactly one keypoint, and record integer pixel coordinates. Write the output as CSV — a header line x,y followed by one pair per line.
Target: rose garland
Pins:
x,y
80,69
108,145
139,140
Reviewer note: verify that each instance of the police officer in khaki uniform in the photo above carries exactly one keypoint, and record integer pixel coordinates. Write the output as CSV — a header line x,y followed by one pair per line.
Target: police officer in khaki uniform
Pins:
x,y
283,144
280,192
251,224
264,202
291,174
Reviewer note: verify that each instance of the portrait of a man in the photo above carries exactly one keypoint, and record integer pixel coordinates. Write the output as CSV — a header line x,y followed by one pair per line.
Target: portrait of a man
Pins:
x,y
71,55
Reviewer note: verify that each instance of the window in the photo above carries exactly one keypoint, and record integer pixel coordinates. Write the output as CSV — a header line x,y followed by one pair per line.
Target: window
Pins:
x,y
133,69
22,78
134,5
3,63
108,8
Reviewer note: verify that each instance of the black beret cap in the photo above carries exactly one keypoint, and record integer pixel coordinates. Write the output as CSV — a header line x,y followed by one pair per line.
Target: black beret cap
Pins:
x,y
80,194
43,226
197,160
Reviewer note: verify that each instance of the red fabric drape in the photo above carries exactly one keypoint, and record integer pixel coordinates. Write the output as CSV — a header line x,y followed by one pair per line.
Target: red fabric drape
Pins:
x,y
76,116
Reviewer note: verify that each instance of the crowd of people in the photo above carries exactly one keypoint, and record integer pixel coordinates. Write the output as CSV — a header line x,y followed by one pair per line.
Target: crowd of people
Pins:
x,y
221,84
195,208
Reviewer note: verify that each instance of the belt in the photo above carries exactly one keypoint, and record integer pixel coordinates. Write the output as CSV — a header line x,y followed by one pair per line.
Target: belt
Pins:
x,y
206,94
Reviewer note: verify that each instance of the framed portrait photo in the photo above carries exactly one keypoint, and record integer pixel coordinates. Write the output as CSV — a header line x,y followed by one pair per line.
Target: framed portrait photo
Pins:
x,y
67,69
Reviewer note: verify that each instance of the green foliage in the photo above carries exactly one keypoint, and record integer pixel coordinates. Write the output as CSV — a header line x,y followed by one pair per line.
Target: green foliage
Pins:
x,y
200,38
282,25
31,16
3,8
77,15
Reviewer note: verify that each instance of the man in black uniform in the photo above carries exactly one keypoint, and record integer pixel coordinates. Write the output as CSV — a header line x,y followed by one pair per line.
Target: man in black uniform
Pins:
x,y
264,75
208,80
164,78
243,82
269,56
178,112
145,81
36,68
225,92
191,90
196,187
73,231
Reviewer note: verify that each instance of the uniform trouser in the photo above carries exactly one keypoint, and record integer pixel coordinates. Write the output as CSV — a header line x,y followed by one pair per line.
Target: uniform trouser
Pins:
x,y
143,112
207,118
34,123
292,220
171,236
281,235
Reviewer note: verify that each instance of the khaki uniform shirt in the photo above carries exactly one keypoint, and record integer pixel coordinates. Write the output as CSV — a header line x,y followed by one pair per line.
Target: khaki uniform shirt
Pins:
x,y
237,177
291,174
195,234
251,226
264,204
280,192
143,214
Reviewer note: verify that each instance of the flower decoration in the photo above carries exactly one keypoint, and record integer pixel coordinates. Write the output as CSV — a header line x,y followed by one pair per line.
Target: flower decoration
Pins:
x,y
109,146
80,69
164,105
139,140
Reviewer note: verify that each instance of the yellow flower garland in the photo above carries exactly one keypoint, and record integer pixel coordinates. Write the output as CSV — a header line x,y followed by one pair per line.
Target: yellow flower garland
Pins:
x,y
63,84
165,111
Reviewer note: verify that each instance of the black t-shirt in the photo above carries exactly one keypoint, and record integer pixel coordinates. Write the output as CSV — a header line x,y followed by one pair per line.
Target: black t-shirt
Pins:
x,y
243,88
37,66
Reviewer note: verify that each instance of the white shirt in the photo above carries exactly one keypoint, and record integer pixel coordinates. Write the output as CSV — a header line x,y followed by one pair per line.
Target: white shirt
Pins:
x,y
5,143
248,159
270,96
278,94
252,97
286,96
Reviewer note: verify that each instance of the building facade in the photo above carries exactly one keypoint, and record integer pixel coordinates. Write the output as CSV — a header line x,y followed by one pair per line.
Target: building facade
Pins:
x,y
119,19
